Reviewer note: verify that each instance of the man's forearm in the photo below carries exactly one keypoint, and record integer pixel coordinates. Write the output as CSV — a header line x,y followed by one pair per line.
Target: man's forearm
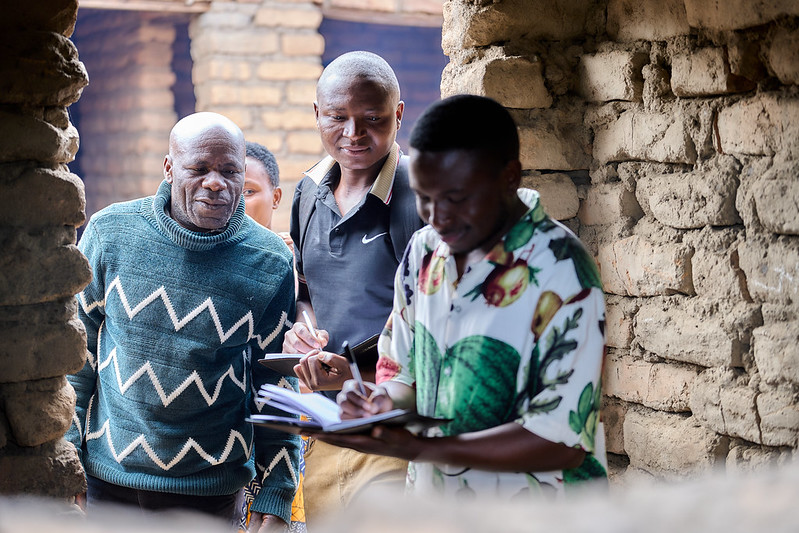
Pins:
x,y
506,448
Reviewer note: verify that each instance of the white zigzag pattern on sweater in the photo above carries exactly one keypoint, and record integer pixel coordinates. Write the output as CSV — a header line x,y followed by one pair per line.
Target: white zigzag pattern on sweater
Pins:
x,y
260,405
194,377
283,455
208,304
190,444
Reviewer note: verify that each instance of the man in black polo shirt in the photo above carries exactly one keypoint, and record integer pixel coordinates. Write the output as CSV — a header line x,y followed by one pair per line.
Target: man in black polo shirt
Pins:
x,y
352,217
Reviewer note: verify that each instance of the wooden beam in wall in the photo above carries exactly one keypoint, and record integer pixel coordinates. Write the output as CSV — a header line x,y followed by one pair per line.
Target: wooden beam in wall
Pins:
x,y
160,6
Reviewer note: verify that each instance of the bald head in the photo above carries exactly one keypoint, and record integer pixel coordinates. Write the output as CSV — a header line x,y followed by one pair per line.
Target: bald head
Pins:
x,y
352,67
201,124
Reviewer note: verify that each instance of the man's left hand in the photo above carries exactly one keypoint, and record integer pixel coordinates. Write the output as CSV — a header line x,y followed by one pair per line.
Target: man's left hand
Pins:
x,y
383,440
266,523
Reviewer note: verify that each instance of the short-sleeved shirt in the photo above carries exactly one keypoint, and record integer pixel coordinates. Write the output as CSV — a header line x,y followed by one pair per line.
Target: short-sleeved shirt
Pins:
x,y
518,338
348,262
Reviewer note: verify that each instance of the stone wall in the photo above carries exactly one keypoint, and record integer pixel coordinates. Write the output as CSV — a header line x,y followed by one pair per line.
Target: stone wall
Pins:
x,y
666,134
40,268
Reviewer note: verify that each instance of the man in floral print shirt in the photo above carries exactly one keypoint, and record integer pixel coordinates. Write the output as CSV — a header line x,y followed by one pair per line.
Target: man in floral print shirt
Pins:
x,y
498,324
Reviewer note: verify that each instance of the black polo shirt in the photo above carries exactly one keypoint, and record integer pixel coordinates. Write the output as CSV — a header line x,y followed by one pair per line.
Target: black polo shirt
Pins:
x,y
348,263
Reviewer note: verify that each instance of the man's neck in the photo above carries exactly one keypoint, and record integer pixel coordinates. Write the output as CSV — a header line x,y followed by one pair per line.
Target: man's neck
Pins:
x,y
353,185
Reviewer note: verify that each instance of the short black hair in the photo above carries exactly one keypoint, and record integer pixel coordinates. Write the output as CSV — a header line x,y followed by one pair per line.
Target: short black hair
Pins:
x,y
267,158
467,122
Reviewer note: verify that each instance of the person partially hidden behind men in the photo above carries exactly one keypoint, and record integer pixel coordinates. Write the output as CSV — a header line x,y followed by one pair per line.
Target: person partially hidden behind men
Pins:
x,y
498,324
187,294
351,219
262,192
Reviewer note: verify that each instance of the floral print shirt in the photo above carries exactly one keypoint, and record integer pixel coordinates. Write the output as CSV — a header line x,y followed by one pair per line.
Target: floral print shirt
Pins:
x,y
518,338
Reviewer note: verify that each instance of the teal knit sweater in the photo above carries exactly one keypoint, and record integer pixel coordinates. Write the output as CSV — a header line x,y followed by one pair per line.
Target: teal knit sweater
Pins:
x,y
176,321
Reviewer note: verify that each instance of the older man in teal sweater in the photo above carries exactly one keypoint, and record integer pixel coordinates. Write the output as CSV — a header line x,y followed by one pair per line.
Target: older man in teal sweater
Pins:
x,y
188,292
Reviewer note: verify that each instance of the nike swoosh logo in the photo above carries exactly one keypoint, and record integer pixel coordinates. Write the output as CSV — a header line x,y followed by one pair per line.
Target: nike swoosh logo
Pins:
x,y
367,240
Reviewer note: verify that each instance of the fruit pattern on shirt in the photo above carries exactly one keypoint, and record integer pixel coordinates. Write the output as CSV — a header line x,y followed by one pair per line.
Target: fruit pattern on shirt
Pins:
x,y
518,338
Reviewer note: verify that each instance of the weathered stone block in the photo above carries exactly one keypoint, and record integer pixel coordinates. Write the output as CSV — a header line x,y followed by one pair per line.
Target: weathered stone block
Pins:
x,y
779,417
694,331
714,265
39,68
776,197
736,14
671,445
607,203
777,352
692,200
744,459
783,56
490,77
51,470
57,348
43,269
648,20
705,72
558,193
38,197
659,386
467,25
38,411
553,144
302,44
614,75
642,136
636,267
613,412
772,269
285,17
290,118
619,313
763,125
289,70
25,137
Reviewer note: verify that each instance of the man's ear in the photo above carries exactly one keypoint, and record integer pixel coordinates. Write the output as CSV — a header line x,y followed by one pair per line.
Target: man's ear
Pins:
x,y
168,168
277,194
400,111
512,175
316,113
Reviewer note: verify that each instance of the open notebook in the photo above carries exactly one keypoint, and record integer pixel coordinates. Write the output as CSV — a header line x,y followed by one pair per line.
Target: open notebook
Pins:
x,y
324,414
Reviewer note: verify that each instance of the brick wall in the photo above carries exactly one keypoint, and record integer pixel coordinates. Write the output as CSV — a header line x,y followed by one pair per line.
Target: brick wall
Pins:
x,y
666,133
125,114
414,52
257,63
41,269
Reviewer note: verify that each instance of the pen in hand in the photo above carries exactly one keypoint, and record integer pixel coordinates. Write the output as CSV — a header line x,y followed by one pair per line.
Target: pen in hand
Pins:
x,y
356,373
307,318
308,323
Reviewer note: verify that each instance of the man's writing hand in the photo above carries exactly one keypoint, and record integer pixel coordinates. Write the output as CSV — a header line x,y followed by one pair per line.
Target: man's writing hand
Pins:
x,y
323,370
354,405
300,340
